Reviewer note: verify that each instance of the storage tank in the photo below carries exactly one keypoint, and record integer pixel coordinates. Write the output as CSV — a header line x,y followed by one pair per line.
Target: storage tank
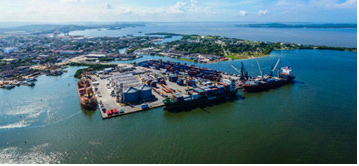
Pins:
x,y
131,94
145,92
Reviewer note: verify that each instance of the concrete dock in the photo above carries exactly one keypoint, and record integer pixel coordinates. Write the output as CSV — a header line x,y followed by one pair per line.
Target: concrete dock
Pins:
x,y
110,102
103,93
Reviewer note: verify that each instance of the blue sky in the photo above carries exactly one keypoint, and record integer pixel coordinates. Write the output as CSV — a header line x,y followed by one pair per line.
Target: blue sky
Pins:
x,y
336,11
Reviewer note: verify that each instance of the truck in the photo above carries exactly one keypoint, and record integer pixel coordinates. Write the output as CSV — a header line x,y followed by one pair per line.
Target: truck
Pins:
x,y
144,106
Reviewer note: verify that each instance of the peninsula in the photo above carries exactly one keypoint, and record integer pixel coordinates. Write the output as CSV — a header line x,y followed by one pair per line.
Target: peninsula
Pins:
x,y
199,48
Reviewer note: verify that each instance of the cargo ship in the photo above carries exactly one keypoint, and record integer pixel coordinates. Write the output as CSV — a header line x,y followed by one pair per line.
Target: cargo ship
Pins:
x,y
263,83
200,96
86,95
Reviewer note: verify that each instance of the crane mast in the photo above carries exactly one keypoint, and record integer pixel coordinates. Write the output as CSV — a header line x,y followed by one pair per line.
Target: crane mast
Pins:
x,y
187,86
242,72
215,81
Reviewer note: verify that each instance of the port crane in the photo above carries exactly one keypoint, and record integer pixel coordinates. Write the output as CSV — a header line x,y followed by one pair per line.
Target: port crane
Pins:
x,y
240,71
260,69
273,68
235,68
215,81
187,87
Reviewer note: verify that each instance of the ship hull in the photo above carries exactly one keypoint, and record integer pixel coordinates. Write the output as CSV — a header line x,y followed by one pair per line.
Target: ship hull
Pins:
x,y
91,106
197,102
264,87
87,106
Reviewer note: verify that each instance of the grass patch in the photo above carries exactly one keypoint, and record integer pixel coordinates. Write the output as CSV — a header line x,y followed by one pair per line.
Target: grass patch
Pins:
x,y
245,55
190,60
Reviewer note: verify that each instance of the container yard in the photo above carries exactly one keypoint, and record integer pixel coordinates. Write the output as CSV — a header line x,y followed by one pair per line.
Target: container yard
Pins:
x,y
128,89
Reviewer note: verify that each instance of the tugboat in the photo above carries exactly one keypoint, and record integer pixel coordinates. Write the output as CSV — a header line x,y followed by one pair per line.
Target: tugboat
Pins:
x,y
86,95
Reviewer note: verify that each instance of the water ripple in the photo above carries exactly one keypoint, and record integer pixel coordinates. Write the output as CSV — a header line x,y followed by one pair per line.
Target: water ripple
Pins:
x,y
35,155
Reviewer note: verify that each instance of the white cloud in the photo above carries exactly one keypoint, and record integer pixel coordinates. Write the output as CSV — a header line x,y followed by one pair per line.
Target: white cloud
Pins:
x,y
177,8
263,12
243,13
348,4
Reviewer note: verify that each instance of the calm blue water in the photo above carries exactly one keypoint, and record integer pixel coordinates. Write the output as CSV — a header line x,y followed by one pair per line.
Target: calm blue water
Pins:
x,y
327,37
313,120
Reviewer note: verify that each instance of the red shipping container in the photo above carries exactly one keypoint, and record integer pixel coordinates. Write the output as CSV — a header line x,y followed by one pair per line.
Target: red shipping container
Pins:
x,y
109,112
115,111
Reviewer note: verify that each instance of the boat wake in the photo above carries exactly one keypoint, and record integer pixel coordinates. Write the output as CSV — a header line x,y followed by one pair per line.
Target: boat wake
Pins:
x,y
25,122
35,155
28,120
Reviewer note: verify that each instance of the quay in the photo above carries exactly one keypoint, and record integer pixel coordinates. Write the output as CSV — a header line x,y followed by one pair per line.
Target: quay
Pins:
x,y
109,102
127,89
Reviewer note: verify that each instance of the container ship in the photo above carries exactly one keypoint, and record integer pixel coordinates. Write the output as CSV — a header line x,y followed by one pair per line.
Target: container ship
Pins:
x,y
263,83
86,95
200,96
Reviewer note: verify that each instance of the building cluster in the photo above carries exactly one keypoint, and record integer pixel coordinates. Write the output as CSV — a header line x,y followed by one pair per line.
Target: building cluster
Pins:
x,y
28,50
127,87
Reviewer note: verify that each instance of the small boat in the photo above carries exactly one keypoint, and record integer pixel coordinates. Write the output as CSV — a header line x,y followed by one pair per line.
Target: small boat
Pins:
x,y
31,79
31,84
9,86
17,83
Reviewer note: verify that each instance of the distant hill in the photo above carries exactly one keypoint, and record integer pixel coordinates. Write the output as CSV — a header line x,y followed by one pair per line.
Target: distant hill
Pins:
x,y
280,25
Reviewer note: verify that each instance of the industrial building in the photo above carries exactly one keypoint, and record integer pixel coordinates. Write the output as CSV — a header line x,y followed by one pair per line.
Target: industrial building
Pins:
x,y
126,79
129,89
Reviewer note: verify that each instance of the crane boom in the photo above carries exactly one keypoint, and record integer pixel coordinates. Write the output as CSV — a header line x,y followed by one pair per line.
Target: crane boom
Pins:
x,y
235,69
260,69
276,64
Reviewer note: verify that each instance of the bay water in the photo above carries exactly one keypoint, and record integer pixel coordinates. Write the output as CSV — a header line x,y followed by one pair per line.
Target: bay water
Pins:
x,y
306,36
313,120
